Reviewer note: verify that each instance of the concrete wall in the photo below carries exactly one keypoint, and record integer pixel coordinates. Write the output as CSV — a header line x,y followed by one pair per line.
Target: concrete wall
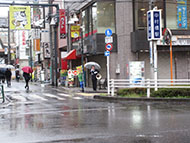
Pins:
x,y
124,26
181,65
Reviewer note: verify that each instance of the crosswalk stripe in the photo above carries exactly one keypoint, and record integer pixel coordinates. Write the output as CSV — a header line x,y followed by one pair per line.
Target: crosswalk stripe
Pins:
x,y
38,97
53,96
19,97
66,95
78,98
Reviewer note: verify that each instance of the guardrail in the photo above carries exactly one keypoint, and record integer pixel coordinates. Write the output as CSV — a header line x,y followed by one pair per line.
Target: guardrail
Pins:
x,y
148,84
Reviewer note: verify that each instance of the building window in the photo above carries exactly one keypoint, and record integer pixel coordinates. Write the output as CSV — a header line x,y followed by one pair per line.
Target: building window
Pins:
x,y
140,12
99,17
105,16
178,14
85,24
94,17
27,51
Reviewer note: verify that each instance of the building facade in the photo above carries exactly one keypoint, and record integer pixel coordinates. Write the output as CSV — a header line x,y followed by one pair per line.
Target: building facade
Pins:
x,y
128,21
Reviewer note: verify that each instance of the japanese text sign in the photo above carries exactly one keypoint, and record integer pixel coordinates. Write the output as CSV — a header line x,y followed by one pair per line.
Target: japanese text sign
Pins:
x,y
154,28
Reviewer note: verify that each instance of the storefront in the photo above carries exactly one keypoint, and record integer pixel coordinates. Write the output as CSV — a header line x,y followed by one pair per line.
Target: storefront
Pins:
x,y
175,16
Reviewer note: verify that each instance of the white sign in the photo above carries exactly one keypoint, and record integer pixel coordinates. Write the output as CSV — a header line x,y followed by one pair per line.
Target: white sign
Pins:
x,y
154,25
23,37
136,72
108,39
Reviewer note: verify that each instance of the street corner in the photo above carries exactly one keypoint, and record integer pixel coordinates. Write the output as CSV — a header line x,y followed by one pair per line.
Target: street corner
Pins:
x,y
89,94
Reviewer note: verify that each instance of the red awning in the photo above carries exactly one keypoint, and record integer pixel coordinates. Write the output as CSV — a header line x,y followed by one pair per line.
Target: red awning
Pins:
x,y
71,55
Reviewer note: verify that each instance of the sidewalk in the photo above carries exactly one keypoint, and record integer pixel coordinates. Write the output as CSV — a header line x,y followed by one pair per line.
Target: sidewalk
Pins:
x,y
88,92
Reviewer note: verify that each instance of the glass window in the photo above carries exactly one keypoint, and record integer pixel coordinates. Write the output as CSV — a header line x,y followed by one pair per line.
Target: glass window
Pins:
x,y
105,16
141,8
171,15
178,14
85,21
99,17
94,17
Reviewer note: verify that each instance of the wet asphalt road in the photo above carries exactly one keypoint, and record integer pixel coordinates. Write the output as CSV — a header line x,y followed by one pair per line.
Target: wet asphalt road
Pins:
x,y
47,115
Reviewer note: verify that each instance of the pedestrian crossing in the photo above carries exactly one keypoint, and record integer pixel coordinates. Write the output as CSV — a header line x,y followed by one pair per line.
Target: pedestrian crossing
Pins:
x,y
22,96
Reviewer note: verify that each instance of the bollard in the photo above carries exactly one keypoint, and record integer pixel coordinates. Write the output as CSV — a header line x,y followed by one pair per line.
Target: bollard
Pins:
x,y
2,92
148,88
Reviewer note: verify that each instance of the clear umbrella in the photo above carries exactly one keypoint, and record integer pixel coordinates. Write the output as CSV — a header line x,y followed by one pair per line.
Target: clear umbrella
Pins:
x,y
10,66
90,64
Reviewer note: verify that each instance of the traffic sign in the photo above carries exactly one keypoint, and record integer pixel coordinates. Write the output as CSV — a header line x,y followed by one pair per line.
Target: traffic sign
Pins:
x,y
108,32
107,53
109,47
108,39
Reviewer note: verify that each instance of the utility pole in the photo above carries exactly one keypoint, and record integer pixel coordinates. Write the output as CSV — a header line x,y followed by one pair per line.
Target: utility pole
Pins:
x,y
82,50
9,46
51,46
55,52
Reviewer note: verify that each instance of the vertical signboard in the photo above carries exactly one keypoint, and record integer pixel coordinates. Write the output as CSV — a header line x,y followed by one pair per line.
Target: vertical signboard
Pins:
x,y
182,14
136,72
75,31
62,24
157,24
46,47
36,44
20,17
23,36
149,25
154,27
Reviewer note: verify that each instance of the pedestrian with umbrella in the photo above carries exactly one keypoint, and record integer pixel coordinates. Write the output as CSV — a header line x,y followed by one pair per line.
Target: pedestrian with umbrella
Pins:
x,y
26,74
93,66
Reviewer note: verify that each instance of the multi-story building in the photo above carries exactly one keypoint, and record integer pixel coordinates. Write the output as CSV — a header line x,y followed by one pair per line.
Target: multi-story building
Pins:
x,y
128,21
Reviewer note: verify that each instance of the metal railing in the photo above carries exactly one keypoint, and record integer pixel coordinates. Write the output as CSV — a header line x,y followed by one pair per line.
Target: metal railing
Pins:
x,y
148,84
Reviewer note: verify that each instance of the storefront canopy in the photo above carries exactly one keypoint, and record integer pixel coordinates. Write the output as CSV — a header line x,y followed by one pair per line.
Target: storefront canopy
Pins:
x,y
71,55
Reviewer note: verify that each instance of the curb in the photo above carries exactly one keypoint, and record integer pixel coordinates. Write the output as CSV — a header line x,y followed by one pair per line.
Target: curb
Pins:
x,y
110,98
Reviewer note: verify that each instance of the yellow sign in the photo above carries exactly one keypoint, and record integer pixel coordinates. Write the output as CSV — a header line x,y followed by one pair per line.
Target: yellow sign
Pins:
x,y
79,69
75,31
20,17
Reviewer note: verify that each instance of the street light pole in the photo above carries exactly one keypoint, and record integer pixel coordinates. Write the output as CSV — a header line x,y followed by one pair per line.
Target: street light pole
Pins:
x,y
51,46
55,52
9,51
82,50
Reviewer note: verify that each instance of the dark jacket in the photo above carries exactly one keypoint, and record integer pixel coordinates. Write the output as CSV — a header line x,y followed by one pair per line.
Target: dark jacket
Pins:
x,y
8,74
93,74
26,76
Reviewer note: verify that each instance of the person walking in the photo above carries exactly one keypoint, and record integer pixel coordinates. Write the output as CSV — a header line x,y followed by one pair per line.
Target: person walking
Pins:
x,y
27,78
17,75
8,75
93,73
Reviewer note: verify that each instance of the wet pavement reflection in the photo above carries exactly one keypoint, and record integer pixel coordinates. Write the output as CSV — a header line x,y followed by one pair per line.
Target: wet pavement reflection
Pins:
x,y
81,120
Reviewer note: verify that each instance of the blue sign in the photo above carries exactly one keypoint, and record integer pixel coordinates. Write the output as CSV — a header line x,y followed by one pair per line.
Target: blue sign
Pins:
x,y
154,29
107,53
157,24
149,25
182,14
108,32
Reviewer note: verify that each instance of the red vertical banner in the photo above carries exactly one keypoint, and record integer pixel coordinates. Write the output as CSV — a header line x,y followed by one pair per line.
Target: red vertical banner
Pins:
x,y
62,23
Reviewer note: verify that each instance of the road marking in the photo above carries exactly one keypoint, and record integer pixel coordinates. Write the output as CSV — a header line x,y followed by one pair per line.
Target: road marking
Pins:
x,y
37,97
78,98
66,95
53,96
19,97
